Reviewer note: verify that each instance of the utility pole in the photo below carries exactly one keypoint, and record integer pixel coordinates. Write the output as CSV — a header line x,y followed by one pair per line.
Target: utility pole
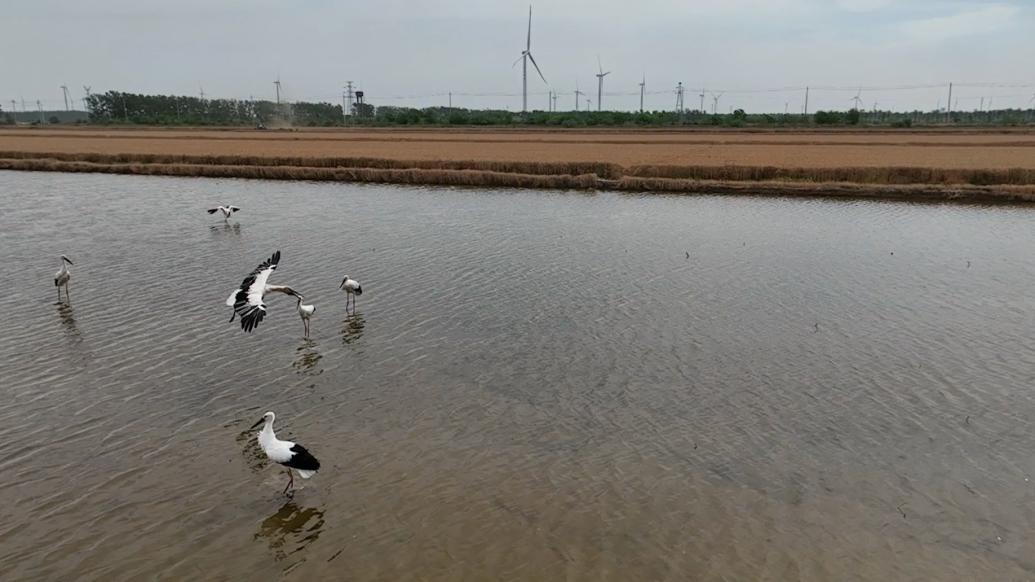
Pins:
x,y
14,105
806,110
948,106
555,101
643,85
702,100
86,89
277,85
64,92
201,90
450,100
40,107
679,98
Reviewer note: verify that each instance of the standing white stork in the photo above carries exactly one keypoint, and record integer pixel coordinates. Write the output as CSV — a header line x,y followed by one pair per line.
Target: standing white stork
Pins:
x,y
287,453
352,289
305,312
247,299
226,210
62,277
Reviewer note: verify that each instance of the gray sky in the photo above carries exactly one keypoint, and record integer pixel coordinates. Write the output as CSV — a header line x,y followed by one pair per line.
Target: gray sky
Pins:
x,y
413,52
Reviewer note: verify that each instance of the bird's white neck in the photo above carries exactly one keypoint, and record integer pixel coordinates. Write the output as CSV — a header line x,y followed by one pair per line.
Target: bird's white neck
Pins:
x,y
266,436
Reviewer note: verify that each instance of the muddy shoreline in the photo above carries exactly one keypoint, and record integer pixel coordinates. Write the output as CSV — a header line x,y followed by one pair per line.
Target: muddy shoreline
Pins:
x,y
1014,185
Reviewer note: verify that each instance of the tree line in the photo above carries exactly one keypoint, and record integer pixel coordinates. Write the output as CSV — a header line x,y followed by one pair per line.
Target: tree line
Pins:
x,y
121,107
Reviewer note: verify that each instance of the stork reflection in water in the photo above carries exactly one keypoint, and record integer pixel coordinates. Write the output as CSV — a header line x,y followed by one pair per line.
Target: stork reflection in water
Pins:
x,y
291,529
352,328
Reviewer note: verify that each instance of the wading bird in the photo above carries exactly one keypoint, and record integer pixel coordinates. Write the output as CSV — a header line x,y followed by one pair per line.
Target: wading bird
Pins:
x,y
352,289
305,312
226,210
247,299
286,453
62,277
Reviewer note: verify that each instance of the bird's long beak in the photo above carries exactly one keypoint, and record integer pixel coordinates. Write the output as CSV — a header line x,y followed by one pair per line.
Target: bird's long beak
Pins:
x,y
256,425
68,260
343,283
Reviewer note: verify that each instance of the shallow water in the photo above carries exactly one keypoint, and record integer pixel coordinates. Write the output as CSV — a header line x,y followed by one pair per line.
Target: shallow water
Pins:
x,y
534,386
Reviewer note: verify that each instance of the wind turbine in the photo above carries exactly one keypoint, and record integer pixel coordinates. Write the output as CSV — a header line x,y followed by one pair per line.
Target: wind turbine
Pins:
x,y
715,102
857,99
526,55
577,93
600,83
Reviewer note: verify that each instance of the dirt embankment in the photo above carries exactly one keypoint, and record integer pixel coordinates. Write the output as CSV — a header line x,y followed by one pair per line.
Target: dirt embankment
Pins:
x,y
933,164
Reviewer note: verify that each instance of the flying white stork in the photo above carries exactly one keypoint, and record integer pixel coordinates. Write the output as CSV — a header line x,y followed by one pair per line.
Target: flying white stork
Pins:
x,y
247,299
62,277
226,210
287,453
352,289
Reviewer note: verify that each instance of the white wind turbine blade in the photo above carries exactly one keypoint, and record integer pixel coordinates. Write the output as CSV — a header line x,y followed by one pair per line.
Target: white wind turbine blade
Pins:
x,y
531,58
528,42
518,60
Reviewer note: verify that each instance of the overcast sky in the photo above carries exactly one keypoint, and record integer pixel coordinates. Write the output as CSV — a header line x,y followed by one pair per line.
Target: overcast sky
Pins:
x,y
413,52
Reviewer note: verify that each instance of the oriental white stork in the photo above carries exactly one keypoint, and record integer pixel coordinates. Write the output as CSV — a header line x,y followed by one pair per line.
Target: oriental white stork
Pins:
x,y
352,289
62,277
287,453
226,210
247,300
305,312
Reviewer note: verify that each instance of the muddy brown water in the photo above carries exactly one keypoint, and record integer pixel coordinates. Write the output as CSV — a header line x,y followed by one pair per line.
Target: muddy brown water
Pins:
x,y
534,386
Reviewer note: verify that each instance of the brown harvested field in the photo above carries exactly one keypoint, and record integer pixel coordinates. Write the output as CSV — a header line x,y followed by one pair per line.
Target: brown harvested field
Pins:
x,y
664,160
625,147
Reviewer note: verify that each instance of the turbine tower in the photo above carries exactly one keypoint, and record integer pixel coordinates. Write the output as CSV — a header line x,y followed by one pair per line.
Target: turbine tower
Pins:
x,y
526,55
64,92
577,93
600,83
643,85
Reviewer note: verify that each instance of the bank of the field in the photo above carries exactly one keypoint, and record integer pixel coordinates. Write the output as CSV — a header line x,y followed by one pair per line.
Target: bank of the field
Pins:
x,y
974,185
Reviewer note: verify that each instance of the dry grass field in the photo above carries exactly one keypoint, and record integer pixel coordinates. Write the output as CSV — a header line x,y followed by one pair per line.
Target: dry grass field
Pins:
x,y
969,164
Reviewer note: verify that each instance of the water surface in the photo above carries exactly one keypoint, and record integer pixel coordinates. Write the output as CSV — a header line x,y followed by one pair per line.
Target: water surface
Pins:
x,y
534,386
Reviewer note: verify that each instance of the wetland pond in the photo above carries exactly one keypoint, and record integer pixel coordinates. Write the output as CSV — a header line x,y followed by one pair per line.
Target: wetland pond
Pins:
x,y
535,385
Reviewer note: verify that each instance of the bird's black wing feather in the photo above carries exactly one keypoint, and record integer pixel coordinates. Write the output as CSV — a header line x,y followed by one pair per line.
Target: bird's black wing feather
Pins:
x,y
234,209
302,459
359,290
212,210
